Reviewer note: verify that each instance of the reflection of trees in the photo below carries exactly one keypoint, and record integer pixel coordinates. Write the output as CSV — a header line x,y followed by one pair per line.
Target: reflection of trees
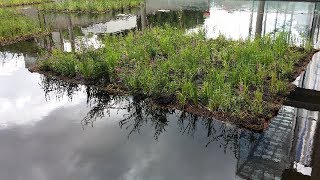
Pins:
x,y
187,123
99,102
24,48
227,136
141,113
216,131
6,57
59,88
183,18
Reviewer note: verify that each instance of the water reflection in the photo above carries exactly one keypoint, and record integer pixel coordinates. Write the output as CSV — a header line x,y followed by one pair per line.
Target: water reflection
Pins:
x,y
75,32
58,87
75,35
46,124
183,18
49,112
136,112
241,19
244,19
23,91
285,146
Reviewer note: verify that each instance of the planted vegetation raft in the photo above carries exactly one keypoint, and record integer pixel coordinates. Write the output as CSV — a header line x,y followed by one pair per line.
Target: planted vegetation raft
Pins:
x,y
20,2
243,81
15,26
91,5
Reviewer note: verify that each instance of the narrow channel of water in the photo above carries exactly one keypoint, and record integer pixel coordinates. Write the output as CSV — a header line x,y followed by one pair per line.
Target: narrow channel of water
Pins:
x,y
50,129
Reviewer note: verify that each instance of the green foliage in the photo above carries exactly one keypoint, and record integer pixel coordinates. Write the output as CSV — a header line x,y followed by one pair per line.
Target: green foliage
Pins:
x,y
89,65
60,63
258,101
92,65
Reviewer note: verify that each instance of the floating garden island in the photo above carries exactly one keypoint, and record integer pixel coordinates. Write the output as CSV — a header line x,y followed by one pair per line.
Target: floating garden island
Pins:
x,y
243,81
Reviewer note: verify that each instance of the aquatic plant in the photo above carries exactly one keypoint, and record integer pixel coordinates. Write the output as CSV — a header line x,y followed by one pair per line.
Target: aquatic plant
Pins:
x,y
241,78
89,65
91,5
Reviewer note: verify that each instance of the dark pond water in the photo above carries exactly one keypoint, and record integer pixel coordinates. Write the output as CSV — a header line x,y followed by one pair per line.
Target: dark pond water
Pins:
x,y
53,130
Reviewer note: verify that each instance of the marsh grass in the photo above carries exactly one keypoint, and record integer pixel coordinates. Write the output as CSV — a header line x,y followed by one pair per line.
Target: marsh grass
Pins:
x,y
89,65
91,5
242,78
14,25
